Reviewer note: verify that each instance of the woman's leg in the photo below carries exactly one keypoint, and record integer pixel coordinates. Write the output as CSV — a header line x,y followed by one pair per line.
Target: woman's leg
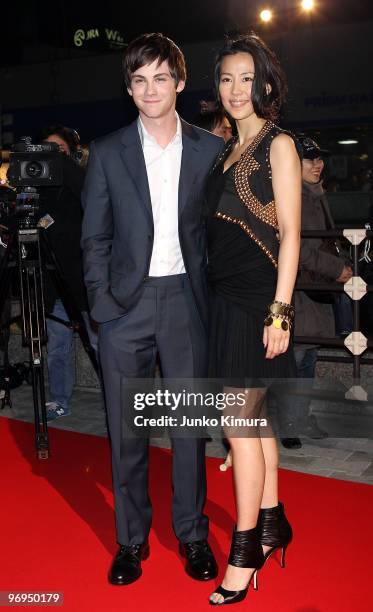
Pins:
x,y
249,473
270,489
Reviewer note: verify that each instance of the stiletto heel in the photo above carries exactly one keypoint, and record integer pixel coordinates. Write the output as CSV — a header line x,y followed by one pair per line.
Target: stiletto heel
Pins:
x,y
275,531
246,551
283,553
255,580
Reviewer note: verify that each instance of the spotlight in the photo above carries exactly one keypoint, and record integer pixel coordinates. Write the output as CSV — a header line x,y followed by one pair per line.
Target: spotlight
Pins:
x,y
307,5
348,141
266,15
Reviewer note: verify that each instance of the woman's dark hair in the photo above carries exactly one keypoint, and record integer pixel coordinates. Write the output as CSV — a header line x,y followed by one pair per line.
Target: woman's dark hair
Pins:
x,y
209,119
146,49
267,71
70,136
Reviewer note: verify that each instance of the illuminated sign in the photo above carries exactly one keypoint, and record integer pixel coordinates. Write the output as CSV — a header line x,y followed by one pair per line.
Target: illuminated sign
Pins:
x,y
111,38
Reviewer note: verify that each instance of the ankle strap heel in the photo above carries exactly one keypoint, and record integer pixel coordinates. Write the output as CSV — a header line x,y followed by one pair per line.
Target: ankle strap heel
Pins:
x,y
274,530
246,549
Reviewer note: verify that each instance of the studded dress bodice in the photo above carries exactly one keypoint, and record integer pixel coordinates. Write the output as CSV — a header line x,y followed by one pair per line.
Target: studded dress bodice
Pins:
x,y
242,265
242,226
255,210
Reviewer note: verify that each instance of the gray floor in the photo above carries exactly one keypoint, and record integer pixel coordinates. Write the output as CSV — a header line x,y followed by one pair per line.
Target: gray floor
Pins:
x,y
345,458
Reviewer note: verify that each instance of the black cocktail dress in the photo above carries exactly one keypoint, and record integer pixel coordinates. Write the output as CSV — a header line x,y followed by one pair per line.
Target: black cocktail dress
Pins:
x,y
242,253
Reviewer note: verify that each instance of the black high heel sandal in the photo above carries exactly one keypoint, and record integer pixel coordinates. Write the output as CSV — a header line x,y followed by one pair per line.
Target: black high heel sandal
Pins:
x,y
275,531
246,551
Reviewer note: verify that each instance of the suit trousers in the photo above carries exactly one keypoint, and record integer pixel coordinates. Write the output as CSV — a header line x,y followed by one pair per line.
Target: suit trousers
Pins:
x,y
165,321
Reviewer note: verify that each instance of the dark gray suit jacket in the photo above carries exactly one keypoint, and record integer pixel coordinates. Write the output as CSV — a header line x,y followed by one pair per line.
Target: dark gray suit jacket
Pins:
x,y
118,230
313,318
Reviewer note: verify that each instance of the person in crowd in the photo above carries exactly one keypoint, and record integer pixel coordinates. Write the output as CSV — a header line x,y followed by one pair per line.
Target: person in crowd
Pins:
x,y
254,204
61,216
145,271
320,261
213,120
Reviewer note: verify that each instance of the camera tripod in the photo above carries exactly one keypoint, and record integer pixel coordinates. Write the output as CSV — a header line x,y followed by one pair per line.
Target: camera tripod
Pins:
x,y
28,253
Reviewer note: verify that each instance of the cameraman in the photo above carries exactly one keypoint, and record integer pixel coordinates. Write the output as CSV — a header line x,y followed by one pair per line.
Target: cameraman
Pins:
x,y
61,215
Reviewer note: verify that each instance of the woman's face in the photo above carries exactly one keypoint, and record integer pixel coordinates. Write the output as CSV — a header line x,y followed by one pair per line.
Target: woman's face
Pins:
x,y
236,79
312,169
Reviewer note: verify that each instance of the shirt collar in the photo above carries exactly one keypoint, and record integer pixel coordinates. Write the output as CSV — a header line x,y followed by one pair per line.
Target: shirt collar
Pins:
x,y
147,139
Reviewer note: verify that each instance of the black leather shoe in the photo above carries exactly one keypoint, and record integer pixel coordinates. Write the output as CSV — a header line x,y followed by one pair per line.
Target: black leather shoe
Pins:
x,y
274,530
246,551
200,564
126,566
292,443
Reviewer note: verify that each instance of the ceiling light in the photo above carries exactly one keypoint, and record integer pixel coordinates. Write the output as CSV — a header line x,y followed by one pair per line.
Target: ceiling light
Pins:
x,y
266,15
307,5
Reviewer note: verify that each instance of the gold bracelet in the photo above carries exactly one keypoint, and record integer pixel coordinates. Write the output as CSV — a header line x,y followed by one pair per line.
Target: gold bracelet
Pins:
x,y
281,308
278,321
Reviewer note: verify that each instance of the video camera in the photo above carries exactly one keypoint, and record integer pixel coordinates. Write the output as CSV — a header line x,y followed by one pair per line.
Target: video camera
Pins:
x,y
34,165
30,166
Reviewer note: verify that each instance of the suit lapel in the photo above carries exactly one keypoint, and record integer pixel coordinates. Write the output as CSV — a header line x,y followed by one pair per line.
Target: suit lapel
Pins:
x,y
133,158
189,163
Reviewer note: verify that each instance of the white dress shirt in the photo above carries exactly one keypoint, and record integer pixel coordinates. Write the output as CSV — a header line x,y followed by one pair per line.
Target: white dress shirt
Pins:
x,y
163,170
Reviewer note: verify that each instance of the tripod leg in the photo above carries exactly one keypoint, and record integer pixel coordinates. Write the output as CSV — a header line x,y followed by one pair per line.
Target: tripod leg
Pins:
x,y
7,268
34,333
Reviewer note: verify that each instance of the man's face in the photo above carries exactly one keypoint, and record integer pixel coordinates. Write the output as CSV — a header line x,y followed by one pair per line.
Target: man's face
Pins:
x,y
223,129
154,90
64,147
312,169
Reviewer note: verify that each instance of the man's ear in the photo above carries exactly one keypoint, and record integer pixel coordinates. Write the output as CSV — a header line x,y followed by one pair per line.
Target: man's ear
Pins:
x,y
129,91
180,86
268,89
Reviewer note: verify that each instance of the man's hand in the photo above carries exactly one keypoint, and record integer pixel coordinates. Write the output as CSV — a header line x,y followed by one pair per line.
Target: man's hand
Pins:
x,y
345,275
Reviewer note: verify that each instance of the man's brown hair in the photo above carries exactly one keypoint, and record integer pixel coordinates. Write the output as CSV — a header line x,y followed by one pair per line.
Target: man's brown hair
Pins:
x,y
146,49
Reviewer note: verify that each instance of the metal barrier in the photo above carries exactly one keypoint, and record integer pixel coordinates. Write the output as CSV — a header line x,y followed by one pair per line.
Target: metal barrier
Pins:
x,y
356,342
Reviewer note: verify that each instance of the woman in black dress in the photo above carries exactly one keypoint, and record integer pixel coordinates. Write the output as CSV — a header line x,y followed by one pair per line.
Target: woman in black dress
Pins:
x,y
254,202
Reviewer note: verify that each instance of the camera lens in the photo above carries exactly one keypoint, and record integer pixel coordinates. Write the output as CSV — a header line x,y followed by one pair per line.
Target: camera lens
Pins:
x,y
34,169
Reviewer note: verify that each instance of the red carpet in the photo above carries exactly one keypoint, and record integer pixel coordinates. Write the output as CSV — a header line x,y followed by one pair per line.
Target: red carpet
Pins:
x,y
57,533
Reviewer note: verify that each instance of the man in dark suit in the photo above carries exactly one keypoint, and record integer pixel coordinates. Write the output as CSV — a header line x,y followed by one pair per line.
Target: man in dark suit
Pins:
x,y
145,262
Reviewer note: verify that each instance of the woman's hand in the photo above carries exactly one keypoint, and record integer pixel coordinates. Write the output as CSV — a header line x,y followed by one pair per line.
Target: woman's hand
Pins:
x,y
275,340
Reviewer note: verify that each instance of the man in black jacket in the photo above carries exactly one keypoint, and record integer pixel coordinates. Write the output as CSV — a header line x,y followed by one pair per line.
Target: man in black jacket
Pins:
x,y
145,269
61,216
